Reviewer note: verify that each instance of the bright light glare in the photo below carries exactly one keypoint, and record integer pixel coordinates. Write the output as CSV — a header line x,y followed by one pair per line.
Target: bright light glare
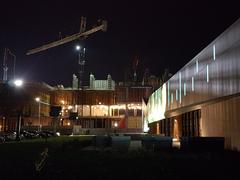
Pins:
x,y
58,133
145,127
157,104
78,47
115,124
18,83
37,99
70,107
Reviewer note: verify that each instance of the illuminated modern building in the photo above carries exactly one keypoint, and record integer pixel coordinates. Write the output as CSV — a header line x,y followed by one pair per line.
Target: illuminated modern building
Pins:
x,y
202,98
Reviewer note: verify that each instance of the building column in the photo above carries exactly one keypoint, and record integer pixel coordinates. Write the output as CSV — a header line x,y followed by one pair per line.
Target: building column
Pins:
x,y
90,110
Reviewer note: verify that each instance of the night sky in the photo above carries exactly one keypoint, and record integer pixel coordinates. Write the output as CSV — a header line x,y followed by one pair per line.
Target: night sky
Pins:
x,y
163,34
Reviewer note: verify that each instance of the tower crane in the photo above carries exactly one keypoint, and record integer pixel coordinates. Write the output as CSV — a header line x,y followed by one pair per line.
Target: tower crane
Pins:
x,y
82,34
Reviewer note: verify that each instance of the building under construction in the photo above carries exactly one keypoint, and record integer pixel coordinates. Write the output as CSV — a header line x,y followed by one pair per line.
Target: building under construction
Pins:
x,y
98,108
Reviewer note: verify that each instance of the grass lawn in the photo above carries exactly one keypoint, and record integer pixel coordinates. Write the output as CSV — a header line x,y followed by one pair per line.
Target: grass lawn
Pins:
x,y
19,158
67,160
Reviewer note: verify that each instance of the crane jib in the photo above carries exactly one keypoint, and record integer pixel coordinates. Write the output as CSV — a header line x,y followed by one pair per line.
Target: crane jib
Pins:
x,y
73,37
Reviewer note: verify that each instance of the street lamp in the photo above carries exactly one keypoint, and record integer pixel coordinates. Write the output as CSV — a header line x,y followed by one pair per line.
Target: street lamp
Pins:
x,y
18,83
38,100
78,47
115,127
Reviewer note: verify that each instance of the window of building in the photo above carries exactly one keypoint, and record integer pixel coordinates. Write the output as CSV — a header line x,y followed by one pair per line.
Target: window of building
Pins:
x,y
131,112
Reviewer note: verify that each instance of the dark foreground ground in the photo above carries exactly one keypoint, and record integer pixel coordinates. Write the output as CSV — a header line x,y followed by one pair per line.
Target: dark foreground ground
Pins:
x,y
67,160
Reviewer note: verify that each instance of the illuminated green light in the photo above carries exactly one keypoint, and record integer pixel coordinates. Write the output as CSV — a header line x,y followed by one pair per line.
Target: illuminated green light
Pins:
x,y
156,107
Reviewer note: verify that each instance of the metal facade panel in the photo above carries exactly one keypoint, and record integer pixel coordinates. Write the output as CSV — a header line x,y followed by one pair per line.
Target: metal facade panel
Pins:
x,y
215,71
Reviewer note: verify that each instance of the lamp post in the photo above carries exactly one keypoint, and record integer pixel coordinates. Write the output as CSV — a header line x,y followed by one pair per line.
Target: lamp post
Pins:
x,y
38,100
12,98
18,84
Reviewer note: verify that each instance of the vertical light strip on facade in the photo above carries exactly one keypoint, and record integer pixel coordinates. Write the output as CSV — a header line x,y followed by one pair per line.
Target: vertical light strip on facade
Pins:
x,y
196,66
176,94
184,89
207,74
171,97
192,83
180,87
168,94
214,52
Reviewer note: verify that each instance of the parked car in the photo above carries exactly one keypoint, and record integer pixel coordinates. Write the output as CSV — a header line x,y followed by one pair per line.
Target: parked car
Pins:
x,y
46,133
28,134
34,133
10,136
